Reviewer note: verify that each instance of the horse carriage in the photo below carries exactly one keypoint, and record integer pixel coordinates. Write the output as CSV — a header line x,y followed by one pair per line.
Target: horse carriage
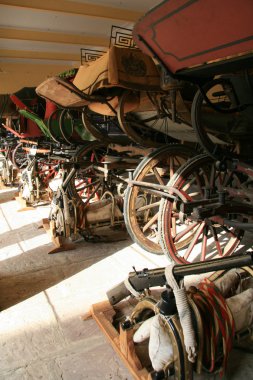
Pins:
x,y
202,211
199,102
122,106
206,205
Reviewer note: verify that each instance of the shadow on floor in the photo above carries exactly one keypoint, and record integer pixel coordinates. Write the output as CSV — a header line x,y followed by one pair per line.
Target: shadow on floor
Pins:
x,y
33,271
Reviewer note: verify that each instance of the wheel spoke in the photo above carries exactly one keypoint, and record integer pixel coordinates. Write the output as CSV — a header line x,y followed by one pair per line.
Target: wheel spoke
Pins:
x,y
204,244
78,188
194,240
198,183
147,207
158,177
212,177
177,161
216,240
188,185
185,231
150,222
171,161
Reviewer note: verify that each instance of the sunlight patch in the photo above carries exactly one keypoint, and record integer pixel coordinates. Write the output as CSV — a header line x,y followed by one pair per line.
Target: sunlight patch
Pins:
x,y
10,251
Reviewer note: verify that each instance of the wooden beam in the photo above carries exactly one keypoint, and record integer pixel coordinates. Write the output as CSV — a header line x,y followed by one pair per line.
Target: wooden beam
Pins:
x,y
85,9
39,55
34,35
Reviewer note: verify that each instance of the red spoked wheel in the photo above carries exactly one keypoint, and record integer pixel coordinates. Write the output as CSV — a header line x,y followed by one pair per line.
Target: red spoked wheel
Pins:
x,y
88,185
194,227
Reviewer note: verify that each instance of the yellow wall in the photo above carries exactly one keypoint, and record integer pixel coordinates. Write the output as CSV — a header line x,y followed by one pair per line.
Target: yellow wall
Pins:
x,y
14,76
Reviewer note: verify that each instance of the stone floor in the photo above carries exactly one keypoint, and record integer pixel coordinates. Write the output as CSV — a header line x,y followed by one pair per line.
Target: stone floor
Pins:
x,y
43,298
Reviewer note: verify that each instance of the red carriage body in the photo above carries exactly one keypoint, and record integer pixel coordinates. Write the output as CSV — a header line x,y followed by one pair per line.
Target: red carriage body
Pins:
x,y
184,34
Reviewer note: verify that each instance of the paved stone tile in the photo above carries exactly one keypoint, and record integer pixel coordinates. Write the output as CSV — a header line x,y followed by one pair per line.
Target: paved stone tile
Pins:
x,y
99,363
29,331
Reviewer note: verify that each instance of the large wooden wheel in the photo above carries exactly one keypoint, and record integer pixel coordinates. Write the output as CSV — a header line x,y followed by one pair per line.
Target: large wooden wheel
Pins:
x,y
103,128
147,128
222,119
141,206
196,226
88,184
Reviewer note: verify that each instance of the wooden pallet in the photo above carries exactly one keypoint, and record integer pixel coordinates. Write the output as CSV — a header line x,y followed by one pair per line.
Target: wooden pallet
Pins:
x,y
121,341
2,184
24,206
60,243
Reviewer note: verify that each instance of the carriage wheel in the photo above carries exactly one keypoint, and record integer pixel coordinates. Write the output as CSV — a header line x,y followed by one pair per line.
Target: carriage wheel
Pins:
x,y
200,233
103,128
140,207
67,122
90,184
143,128
53,125
95,124
46,172
87,185
217,118
19,157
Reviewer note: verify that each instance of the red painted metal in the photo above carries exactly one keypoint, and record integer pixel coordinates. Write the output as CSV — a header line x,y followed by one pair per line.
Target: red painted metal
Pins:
x,y
28,127
50,108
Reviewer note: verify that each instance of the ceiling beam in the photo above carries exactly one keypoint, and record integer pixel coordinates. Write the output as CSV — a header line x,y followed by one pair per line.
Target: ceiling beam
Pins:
x,y
35,35
27,54
92,10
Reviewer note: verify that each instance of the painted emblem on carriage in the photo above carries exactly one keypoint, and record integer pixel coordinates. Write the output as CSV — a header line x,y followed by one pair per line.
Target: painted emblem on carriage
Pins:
x,y
133,65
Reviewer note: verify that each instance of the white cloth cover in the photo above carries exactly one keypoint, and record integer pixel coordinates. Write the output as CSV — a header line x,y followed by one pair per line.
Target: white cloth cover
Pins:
x,y
241,307
160,345
229,281
143,331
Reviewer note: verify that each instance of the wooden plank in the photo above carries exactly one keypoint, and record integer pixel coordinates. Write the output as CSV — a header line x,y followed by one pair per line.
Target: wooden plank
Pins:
x,y
61,244
121,341
23,204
